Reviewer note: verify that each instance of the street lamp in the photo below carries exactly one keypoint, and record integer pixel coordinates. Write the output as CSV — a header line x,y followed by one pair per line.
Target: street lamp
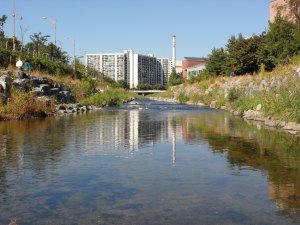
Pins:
x,y
13,15
54,24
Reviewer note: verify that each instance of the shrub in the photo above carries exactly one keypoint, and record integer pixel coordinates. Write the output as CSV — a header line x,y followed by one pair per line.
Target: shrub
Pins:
x,y
233,94
182,98
23,105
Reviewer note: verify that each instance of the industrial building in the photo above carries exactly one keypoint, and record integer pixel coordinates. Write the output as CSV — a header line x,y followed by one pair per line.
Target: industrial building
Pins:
x,y
189,62
281,7
133,68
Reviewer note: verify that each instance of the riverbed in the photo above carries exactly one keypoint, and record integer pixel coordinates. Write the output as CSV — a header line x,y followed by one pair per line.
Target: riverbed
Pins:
x,y
148,162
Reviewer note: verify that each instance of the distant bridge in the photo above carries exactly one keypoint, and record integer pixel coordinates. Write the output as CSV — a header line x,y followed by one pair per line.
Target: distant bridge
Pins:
x,y
148,92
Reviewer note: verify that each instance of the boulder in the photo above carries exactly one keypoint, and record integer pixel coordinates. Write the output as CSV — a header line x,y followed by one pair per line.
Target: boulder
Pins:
x,y
213,104
258,107
253,115
292,126
22,84
65,97
5,83
237,112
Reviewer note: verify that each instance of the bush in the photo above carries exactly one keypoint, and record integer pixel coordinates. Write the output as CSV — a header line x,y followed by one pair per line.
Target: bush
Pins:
x,y
175,79
233,94
182,98
23,105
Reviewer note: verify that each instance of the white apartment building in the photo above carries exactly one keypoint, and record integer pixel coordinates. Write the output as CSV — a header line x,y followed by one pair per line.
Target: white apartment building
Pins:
x,y
134,68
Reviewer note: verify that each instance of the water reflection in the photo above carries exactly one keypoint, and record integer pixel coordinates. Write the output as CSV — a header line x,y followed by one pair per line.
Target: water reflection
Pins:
x,y
110,167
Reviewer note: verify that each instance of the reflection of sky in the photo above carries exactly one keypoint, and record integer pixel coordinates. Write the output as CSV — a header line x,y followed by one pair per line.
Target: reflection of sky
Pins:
x,y
139,166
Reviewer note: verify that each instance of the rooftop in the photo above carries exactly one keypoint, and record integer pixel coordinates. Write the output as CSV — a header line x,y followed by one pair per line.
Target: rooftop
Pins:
x,y
194,59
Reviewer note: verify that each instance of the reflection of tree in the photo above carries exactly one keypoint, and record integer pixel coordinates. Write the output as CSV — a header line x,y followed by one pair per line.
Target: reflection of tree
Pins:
x,y
276,153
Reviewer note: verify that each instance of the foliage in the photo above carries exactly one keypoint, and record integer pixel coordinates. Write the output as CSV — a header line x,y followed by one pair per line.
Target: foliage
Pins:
x,y
175,79
280,43
182,98
113,97
233,94
23,105
2,22
245,55
216,63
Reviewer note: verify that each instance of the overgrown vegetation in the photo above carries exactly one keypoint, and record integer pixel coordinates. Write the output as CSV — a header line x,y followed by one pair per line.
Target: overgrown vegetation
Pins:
x,y
244,55
24,105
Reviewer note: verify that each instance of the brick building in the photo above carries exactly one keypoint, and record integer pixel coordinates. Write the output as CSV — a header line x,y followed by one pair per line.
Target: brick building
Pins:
x,y
189,62
282,7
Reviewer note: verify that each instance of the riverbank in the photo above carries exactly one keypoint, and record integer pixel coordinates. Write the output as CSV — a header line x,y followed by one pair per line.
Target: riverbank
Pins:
x,y
271,98
42,95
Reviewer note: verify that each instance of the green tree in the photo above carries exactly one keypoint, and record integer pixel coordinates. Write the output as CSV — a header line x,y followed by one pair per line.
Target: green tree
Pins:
x,y
281,42
175,79
216,63
39,41
2,23
243,54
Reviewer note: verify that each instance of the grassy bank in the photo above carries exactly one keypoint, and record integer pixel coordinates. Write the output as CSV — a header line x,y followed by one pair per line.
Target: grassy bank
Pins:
x,y
277,92
86,91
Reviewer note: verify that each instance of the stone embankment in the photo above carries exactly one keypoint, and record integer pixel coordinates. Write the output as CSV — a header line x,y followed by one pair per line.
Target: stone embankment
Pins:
x,y
44,89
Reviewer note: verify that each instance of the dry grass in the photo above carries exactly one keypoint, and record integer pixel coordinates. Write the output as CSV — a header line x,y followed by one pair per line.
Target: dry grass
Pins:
x,y
24,105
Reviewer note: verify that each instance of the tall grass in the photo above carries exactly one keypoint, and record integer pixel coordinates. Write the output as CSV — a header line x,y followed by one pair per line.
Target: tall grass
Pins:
x,y
23,105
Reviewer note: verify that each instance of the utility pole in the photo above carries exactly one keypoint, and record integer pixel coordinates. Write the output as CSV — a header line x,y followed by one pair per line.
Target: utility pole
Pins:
x,y
13,24
74,53
54,24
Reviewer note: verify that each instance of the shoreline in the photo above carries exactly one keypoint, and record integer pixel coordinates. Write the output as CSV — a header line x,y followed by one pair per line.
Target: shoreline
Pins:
x,y
253,116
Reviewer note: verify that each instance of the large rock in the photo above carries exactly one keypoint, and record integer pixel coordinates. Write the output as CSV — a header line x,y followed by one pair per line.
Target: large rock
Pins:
x,y
253,115
65,97
22,84
5,83
213,104
292,126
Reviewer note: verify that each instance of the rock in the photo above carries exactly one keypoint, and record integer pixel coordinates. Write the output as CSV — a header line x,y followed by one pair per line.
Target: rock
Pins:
x,y
65,97
213,104
258,107
223,107
200,104
61,107
253,115
22,84
54,91
238,112
6,73
5,83
292,126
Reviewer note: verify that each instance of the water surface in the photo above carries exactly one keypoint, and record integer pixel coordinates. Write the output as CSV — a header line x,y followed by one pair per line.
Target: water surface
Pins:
x,y
148,163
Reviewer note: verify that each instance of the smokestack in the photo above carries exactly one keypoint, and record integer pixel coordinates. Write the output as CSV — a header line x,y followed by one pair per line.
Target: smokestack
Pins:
x,y
174,53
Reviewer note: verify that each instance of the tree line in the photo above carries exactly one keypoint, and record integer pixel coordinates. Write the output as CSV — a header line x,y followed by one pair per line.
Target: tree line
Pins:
x,y
42,54
247,55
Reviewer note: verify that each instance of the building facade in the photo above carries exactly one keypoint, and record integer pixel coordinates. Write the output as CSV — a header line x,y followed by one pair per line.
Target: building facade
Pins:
x,y
133,68
281,7
191,62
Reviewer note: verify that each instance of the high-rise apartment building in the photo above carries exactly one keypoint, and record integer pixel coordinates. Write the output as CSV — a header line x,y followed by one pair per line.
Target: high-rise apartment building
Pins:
x,y
133,68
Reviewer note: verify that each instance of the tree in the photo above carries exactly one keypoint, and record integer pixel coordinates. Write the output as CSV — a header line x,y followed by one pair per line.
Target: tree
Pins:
x,y
39,41
281,42
242,54
175,79
2,23
216,63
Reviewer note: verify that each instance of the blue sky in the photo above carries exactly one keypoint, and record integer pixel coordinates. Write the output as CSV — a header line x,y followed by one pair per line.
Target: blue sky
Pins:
x,y
146,26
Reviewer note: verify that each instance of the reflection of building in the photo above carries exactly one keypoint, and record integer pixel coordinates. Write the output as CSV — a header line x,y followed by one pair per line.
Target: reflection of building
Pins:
x,y
133,68
189,62
281,7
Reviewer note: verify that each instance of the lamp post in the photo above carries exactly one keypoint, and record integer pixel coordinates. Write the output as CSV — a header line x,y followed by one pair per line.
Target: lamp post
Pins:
x,y
54,24
13,24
